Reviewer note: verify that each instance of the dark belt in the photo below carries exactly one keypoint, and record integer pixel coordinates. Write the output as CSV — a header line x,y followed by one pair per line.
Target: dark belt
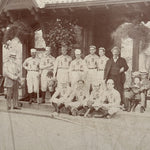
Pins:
x,y
62,68
91,68
78,70
100,69
33,70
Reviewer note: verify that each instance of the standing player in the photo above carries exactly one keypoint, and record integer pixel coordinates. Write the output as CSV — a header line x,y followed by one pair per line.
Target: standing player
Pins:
x,y
61,66
91,62
46,65
78,69
101,65
31,64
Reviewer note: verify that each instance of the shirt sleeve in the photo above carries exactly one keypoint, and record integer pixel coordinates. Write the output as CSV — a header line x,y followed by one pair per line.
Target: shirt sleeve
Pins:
x,y
7,73
117,99
56,66
25,64
125,65
56,94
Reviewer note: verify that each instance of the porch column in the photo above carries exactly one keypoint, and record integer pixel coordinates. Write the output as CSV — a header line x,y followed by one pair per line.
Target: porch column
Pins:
x,y
1,65
88,34
135,60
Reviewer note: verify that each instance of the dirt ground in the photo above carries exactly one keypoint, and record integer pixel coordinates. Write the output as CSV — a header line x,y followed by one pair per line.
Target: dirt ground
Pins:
x,y
29,132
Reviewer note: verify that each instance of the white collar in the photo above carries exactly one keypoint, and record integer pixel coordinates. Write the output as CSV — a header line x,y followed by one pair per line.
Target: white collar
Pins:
x,y
115,59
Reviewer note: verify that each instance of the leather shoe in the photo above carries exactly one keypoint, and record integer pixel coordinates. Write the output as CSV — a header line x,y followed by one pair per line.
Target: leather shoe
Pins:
x,y
30,102
142,109
16,108
99,116
8,108
108,117
74,112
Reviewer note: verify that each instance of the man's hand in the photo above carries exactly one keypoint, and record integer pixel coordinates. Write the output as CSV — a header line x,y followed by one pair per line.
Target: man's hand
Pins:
x,y
16,77
121,69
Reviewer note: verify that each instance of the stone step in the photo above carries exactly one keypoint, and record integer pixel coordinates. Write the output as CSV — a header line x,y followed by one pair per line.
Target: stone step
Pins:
x,y
24,104
48,108
43,107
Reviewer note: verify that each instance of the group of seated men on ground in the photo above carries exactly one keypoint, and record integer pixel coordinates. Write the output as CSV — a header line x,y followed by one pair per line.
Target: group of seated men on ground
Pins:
x,y
101,102
93,86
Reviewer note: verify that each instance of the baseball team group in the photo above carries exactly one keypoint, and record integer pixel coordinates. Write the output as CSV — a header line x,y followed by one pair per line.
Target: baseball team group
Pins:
x,y
93,86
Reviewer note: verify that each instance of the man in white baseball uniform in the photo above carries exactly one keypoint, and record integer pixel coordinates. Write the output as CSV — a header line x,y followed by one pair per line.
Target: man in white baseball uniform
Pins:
x,y
113,100
31,64
46,65
78,69
61,66
101,65
91,62
77,98
95,99
60,96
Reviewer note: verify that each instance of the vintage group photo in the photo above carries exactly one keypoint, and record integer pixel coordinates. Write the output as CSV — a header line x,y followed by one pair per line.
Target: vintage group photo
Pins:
x,y
74,74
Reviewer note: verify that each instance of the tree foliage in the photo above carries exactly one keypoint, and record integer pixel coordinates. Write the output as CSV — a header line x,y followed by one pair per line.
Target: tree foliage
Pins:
x,y
17,29
59,32
138,32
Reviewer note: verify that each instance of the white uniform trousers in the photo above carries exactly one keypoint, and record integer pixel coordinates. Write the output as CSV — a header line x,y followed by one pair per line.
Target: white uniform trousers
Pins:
x,y
100,76
44,80
75,76
91,78
73,105
62,76
58,101
111,109
33,81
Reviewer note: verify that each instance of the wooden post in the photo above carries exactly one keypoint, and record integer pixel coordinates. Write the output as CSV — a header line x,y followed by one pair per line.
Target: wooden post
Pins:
x,y
88,34
1,64
135,60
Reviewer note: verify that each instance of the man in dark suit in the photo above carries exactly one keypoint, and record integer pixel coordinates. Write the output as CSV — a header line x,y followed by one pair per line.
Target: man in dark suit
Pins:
x,y
115,69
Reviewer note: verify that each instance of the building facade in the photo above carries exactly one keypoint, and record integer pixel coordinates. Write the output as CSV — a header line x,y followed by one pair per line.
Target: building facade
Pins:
x,y
96,21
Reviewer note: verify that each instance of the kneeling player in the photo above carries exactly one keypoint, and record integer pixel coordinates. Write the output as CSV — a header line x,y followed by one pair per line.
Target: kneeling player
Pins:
x,y
112,106
60,96
95,100
77,98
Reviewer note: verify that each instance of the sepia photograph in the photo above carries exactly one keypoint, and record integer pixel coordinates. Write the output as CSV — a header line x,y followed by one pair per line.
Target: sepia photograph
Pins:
x,y
74,74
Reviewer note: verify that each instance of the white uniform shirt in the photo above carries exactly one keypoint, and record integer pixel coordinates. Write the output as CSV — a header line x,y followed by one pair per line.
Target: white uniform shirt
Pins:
x,y
80,94
95,95
113,97
78,65
62,62
102,62
62,92
47,62
91,61
31,64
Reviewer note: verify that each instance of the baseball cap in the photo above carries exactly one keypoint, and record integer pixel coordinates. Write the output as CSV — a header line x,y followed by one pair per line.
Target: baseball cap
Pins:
x,y
77,51
33,50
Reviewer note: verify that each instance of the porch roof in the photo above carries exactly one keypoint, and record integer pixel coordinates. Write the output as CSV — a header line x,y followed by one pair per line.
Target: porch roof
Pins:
x,y
6,5
84,3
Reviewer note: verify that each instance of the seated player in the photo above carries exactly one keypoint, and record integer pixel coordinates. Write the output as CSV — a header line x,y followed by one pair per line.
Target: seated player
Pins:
x,y
60,96
96,98
137,92
77,98
111,105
